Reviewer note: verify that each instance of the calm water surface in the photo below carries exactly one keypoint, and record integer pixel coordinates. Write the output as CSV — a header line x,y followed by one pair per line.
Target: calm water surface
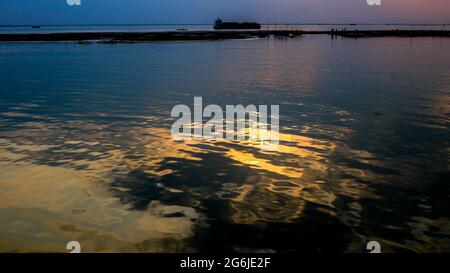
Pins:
x,y
86,152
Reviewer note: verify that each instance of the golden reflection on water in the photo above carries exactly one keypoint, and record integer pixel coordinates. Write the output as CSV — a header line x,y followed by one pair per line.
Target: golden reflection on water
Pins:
x,y
43,205
55,204
285,173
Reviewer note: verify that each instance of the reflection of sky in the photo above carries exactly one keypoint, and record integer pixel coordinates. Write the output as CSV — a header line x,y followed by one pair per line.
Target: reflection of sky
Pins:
x,y
200,11
363,141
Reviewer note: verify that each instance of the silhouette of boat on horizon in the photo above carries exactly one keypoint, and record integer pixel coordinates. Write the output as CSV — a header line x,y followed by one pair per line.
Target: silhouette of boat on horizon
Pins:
x,y
219,24
35,26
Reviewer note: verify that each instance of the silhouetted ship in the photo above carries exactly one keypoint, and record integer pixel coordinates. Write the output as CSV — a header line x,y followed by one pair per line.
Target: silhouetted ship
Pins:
x,y
35,26
219,24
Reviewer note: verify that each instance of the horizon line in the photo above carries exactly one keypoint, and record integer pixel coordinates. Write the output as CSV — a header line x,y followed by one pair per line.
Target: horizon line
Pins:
x,y
205,24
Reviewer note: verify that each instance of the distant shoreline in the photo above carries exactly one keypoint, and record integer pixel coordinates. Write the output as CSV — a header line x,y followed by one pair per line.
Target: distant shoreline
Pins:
x,y
209,24
133,37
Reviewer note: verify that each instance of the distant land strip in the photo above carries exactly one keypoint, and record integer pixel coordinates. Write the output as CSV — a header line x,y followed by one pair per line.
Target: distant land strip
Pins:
x,y
130,37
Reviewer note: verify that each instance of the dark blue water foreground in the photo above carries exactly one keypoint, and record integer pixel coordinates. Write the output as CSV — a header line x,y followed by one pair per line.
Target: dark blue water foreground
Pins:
x,y
86,152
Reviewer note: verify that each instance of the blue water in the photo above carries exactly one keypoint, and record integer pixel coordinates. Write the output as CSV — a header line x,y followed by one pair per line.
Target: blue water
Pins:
x,y
86,152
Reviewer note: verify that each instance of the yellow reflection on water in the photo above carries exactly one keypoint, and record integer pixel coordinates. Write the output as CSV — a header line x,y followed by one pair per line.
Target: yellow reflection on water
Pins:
x,y
282,174
43,207
249,160
73,201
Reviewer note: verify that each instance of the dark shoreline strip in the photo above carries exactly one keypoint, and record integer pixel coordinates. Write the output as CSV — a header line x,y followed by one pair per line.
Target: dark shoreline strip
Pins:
x,y
116,37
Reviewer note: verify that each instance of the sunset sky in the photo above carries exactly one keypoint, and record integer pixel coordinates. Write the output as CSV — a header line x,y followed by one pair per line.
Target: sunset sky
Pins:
x,y
205,11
